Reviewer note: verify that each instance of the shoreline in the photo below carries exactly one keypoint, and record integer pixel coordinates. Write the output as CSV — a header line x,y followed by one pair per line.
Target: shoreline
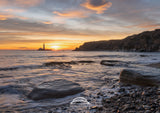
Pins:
x,y
126,98
131,99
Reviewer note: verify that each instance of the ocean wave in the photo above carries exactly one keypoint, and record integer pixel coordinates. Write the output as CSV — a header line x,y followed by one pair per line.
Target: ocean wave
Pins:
x,y
67,63
20,67
46,64
58,56
100,56
11,56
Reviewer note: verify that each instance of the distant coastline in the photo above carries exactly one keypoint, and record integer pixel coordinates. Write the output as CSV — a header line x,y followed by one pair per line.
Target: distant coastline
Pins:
x,y
148,41
45,50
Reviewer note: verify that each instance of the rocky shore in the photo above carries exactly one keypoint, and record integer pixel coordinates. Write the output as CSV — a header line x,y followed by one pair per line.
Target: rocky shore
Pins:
x,y
131,99
131,93
134,100
144,98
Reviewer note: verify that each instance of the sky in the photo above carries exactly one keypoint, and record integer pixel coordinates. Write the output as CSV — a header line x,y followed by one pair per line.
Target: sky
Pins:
x,y
66,24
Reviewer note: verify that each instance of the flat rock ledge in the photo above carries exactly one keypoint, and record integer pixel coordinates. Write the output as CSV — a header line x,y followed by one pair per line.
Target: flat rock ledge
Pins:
x,y
133,77
55,89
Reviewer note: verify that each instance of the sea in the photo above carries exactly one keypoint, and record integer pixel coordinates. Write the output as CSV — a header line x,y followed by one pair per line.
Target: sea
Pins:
x,y
21,71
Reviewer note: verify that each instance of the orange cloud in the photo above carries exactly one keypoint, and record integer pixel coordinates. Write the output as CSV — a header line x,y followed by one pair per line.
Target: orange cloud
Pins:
x,y
98,6
4,17
71,14
28,3
47,22
7,16
14,10
21,3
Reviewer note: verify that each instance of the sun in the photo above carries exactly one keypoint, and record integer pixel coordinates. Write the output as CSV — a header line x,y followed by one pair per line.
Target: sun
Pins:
x,y
55,47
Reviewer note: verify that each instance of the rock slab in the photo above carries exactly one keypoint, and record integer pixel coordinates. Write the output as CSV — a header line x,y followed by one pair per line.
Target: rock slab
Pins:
x,y
132,77
55,89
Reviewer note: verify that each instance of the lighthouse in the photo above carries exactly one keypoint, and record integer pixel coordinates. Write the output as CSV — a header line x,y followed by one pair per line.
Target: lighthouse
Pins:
x,y
43,46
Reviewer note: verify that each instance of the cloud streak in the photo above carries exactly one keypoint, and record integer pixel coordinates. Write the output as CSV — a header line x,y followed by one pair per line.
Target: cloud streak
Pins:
x,y
97,5
9,16
34,21
71,14
20,3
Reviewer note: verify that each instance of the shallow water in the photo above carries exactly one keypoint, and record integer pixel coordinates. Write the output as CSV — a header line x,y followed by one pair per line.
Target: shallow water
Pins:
x,y
21,71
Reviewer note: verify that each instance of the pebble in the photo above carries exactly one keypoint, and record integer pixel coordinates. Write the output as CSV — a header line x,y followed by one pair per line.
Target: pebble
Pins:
x,y
134,100
148,111
130,99
126,106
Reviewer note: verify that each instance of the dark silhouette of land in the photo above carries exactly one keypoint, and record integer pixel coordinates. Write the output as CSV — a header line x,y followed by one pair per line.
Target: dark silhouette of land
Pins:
x,y
148,41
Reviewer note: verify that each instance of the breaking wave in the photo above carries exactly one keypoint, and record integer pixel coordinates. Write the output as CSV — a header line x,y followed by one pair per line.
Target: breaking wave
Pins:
x,y
46,64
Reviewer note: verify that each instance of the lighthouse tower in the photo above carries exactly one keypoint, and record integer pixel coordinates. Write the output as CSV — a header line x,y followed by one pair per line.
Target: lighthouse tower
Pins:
x,y
43,46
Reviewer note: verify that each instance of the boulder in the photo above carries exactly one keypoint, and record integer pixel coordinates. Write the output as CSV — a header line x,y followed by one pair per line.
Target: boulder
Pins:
x,y
132,77
55,89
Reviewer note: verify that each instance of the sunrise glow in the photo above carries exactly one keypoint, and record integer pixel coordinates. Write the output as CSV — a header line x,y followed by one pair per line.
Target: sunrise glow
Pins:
x,y
79,56
55,47
27,25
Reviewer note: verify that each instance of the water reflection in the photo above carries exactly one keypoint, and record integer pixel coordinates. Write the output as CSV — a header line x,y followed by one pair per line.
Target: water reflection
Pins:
x,y
93,76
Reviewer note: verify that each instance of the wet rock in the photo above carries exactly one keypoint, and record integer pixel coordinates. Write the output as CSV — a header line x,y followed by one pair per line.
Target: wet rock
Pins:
x,y
83,61
57,63
146,107
12,89
144,55
135,102
122,90
148,111
144,93
132,77
97,107
107,101
156,65
55,89
126,106
67,63
113,63
108,62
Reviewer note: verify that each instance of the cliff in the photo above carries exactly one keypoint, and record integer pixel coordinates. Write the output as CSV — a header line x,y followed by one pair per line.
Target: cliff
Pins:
x,y
148,41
